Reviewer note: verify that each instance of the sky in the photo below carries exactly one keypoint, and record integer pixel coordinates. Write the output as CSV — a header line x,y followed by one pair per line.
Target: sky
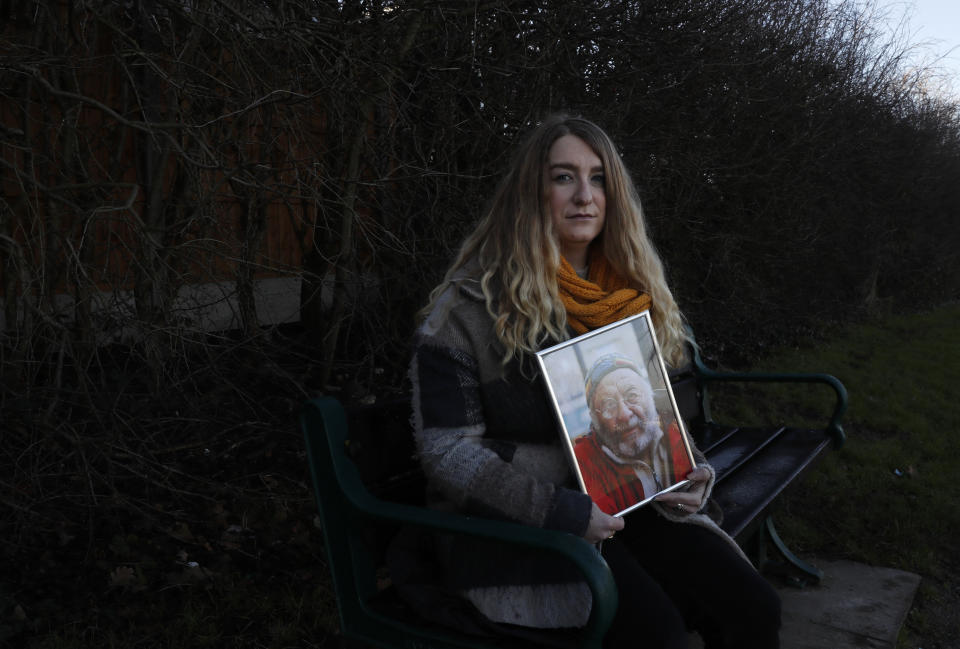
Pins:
x,y
936,23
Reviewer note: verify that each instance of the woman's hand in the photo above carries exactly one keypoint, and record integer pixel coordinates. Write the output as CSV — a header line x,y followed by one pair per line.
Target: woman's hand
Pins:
x,y
689,500
602,525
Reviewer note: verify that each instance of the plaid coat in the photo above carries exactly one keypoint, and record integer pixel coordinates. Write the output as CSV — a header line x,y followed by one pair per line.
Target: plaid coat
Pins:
x,y
489,445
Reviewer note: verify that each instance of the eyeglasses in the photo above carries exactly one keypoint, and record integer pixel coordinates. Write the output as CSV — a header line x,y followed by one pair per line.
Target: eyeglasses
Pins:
x,y
610,406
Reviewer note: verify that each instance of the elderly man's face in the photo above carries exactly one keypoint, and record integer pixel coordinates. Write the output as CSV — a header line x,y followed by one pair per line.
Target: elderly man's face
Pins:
x,y
624,413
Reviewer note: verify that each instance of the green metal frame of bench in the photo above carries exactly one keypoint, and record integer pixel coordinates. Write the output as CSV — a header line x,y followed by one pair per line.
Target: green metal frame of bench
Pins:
x,y
747,496
361,470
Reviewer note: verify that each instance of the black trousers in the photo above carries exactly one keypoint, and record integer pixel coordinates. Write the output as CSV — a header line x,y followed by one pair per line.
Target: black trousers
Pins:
x,y
672,577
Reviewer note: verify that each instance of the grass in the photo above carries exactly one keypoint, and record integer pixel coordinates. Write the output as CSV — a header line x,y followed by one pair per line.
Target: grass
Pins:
x,y
890,497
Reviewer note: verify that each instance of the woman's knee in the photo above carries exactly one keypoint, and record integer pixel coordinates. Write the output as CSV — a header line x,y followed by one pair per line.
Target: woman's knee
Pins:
x,y
766,603
756,621
634,628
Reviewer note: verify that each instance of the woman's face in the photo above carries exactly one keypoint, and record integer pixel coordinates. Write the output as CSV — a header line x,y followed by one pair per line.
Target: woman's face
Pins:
x,y
575,196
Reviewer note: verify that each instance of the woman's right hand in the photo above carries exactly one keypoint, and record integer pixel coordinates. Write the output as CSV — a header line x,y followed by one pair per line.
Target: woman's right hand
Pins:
x,y
602,525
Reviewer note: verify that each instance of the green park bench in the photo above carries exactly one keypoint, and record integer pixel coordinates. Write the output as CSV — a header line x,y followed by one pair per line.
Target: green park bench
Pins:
x,y
368,485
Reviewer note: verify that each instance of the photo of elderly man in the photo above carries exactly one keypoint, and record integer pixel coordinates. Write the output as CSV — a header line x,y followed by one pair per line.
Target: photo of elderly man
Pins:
x,y
626,456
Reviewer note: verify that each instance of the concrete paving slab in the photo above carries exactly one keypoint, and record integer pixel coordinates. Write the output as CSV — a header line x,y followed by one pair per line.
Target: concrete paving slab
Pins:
x,y
856,606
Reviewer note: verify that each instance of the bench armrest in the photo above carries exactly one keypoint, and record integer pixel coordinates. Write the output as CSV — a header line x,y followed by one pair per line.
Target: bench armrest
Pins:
x,y
833,428
326,415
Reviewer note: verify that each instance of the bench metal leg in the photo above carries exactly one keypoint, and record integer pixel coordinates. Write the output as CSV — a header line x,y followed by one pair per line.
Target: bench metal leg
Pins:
x,y
809,573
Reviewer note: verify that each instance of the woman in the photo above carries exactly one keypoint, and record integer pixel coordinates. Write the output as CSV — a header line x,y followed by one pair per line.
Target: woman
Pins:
x,y
563,250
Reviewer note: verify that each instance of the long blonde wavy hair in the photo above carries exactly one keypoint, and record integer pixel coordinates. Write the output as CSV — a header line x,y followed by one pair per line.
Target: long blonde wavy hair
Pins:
x,y
517,253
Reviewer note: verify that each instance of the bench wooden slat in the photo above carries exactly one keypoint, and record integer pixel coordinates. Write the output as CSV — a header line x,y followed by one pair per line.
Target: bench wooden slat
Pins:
x,y
713,436
746,495
738,448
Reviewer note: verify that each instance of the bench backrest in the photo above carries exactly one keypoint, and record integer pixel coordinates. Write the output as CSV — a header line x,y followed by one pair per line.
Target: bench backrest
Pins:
x,y
382,445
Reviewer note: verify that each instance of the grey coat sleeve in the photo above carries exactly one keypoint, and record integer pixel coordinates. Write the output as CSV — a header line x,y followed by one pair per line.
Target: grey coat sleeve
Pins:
x,y
475,475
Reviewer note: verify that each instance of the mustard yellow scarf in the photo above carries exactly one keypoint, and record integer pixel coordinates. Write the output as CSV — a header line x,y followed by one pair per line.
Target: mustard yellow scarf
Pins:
x,y
604,297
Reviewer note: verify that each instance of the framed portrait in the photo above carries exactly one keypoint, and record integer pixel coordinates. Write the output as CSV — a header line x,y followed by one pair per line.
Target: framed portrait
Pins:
x,y
617,414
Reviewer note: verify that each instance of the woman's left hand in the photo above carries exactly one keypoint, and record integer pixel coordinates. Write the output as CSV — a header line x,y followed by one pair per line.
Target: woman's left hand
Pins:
x,y
690,499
